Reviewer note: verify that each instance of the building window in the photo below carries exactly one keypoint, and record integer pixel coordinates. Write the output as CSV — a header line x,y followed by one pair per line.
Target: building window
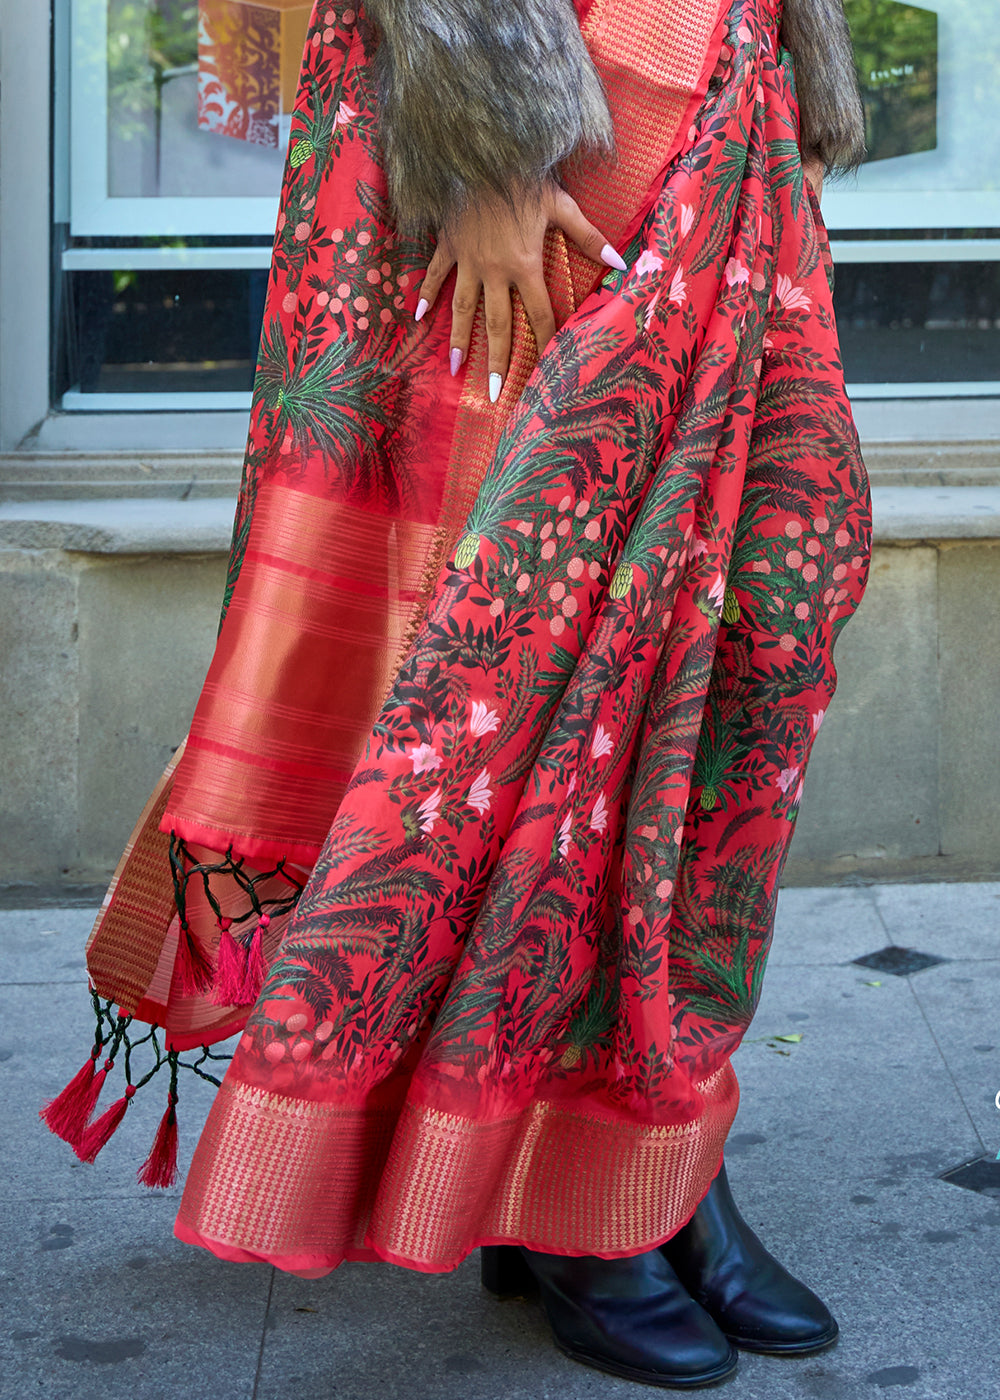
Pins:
x,y
169,152
917,236
178,118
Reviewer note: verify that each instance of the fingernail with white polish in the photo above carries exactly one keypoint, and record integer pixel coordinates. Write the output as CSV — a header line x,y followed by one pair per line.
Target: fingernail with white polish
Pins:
x,y
496,384
421,310
455,360
613,259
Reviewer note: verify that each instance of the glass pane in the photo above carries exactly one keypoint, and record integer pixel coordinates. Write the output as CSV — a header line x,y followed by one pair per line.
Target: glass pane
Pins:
x,y
181,111
919,322
161,332
928,79
183,117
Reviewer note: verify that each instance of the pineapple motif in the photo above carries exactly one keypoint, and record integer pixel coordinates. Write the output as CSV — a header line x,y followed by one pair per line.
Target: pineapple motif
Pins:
x,y
719,751
621,584
468,548
301,152
589,1026
731,612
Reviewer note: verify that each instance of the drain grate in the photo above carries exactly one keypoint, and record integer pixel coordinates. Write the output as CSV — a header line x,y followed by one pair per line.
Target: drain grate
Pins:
x,y
899,961
982,1174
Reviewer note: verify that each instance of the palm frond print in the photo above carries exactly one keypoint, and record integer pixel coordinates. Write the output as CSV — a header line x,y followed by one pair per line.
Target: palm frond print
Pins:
x,y
331,402
554,876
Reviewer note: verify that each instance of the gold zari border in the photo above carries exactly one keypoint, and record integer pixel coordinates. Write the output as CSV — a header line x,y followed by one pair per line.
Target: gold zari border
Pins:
x,y
305,1184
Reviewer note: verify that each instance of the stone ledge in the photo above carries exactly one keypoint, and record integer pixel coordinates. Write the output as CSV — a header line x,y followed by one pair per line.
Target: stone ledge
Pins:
x,y
924,514
933,463
915,422
132,526
203,525
180,474
170,474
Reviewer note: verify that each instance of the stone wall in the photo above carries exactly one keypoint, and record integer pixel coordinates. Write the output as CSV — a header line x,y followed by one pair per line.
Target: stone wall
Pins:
x,y
103,661
108,614
904,775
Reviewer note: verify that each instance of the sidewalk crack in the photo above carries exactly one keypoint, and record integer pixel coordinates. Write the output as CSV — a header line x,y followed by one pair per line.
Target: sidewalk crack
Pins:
x,y
947,1066
263,1338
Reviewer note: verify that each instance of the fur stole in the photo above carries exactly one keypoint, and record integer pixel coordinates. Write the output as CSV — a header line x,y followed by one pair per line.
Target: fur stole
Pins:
x,y
480,96
483,96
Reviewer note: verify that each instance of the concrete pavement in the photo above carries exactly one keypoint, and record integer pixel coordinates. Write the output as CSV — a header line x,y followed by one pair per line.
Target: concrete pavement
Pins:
x,y
836,1158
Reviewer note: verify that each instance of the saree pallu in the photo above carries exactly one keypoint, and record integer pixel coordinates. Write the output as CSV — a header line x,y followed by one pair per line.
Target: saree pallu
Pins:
x,y
505,1004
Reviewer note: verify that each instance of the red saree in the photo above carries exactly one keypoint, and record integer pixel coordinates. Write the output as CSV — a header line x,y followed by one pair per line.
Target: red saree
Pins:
x,y
505,1004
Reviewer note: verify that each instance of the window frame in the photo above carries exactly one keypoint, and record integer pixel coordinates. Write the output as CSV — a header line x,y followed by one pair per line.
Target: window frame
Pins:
x,y
93,212
25,219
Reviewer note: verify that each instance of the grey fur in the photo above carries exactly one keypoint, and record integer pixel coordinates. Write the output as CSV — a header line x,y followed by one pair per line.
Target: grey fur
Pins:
x,y
484,95
480,95
817,35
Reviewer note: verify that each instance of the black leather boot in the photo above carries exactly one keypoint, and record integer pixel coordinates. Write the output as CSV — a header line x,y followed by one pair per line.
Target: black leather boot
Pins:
x,y
629,1317
757,1303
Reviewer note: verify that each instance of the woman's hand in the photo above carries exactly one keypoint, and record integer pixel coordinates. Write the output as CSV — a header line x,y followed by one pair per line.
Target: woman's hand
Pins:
x,y
499,245
813,169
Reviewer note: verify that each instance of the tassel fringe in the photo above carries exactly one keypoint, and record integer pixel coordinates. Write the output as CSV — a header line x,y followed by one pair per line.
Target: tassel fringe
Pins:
x,y
99,1134
159,1170
69,1112
236,980
230,971
256,971
241,967
194,971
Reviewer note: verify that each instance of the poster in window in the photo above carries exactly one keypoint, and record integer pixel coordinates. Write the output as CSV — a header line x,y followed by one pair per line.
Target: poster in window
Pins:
x,y
248,65
181,114
928,80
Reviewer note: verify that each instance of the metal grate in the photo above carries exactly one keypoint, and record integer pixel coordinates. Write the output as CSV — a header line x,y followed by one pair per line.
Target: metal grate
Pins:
x,y
982,1174
899,961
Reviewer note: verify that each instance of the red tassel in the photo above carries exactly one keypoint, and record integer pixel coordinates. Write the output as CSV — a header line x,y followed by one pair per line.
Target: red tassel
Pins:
x,y
230,971
69,1112
160,1167
256,971
99,1134
194,971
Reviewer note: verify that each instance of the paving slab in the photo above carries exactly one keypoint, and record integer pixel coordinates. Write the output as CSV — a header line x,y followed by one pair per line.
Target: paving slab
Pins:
x,y
825,926
45,1036
44,946
100,1303
838,1144
834,1157
372,1329
958,921
962,1006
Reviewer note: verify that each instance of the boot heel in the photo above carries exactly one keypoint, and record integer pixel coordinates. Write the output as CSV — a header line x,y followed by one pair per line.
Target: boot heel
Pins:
x,y
505,1271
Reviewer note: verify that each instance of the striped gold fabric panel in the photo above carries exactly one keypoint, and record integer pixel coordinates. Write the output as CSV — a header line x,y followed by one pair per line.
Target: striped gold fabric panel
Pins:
x,y
282,719
655,60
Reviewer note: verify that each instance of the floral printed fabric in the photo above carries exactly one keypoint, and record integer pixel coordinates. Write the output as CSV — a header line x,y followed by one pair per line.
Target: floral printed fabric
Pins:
x,y
554,873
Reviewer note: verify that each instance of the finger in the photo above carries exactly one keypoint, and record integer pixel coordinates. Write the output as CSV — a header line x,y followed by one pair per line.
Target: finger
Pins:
x,y
463,312
437,270
538,309
568,216
499,318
